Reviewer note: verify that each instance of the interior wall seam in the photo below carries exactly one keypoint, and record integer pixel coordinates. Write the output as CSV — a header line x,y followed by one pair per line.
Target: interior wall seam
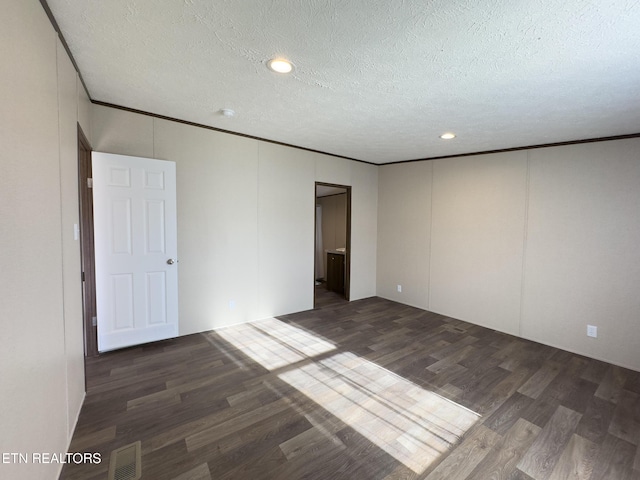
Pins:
x,y
258,300
430,236
62,255
524,241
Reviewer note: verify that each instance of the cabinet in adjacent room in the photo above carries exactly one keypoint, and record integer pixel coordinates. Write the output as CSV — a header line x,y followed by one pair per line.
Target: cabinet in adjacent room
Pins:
x,y
335,272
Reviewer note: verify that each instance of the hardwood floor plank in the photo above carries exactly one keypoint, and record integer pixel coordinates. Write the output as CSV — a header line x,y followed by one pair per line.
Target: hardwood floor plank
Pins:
x,y
524,355
373,466
309,441
594,424
220,430
260,468
519,475
633,382
466,456
247,454
625,423
504,456
401,472
577,397
540,380
595,371
576,461
164,397
509,412
477,392
169,462
85,442
454,348
366,460
614,460
542,456
285,420
541,411
450,391
612,384
449,374
201,472
179,432
455,357
504,390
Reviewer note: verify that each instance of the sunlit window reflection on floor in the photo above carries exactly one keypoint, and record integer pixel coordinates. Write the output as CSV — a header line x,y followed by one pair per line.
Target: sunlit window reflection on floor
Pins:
x,y
412,424
275,344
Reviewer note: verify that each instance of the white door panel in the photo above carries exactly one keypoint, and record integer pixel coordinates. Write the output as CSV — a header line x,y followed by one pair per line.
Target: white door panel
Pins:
x,y
135,237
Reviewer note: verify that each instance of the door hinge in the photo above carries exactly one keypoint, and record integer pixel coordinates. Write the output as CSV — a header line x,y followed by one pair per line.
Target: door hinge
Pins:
x,y
89,182
82,276
94,321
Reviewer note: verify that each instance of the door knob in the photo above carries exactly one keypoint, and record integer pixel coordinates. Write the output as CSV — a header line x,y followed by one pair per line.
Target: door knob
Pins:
x,y
171,261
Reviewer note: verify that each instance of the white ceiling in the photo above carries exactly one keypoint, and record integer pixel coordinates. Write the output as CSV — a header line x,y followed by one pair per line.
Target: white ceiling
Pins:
x,y
374,80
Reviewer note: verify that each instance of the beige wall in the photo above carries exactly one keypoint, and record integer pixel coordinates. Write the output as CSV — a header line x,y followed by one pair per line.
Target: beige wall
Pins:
x,y
217,185
72,284
537,243
404,232
582,252
286,194
477,236
41,357
245,217
364,228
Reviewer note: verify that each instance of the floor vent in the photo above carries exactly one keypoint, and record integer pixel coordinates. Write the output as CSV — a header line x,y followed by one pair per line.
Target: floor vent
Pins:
x,y
125,463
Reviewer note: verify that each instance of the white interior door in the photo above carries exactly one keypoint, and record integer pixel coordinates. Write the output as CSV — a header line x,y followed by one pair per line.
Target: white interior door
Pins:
x,y
134,201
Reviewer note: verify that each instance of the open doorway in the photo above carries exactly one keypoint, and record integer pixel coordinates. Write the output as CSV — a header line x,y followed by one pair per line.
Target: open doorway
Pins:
x,y
332,271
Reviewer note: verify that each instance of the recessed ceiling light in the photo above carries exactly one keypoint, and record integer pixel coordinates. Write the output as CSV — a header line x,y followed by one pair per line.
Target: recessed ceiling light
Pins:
x,y
280,65
227,112
448,136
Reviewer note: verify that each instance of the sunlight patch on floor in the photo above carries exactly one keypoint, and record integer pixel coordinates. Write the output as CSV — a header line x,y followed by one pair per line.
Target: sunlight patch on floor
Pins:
x,y
412,424
275,344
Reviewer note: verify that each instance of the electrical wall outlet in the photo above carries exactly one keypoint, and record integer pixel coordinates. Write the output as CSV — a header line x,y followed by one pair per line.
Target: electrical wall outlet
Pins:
x,y
592,331
400,288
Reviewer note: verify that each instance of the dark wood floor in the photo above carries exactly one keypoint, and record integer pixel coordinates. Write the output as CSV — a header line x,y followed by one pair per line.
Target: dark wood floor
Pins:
x,y
364,390
325,298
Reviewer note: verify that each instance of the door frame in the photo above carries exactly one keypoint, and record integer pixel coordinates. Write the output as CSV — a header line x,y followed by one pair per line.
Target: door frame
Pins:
x,y
87,255
347,259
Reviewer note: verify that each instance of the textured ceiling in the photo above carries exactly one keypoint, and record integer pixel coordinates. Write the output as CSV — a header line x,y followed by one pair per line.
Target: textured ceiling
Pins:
x,y
374,80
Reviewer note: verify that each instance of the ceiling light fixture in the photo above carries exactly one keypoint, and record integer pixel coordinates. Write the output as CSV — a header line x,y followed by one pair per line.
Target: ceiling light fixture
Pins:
x,y
280,65
227,112
448,136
